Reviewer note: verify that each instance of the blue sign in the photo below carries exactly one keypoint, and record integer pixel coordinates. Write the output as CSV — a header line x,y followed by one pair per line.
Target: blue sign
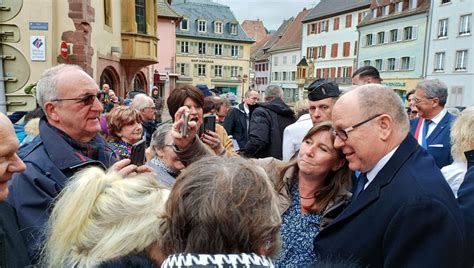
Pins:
x,y
42,26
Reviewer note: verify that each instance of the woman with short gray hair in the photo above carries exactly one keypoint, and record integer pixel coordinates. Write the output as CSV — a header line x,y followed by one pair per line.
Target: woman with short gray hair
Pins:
x,y
165,162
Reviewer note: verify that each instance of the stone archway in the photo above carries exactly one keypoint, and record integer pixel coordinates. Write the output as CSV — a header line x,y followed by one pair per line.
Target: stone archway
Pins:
x,y
140,83
110,76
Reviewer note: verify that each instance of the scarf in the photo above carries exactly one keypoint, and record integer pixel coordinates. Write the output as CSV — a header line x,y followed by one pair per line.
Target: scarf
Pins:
x,y
217,260
122,149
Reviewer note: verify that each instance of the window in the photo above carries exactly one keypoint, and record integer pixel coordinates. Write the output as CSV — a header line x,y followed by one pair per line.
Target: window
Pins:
x,y
461,60
284,59
293,76
443,28
345,72
218,27
405,63
202,48
184,47
181,68
218,49
275,61
283,76
184,25
108,12
293,59
374,13
407,33
234,51
368,40
367,63
233,29
465,24
445,2
275,76
349,21
346,49
386,10
234,71
324,25
380,37
439,62
378,64
202,26
393,35
140,15
336,24
399,7
312,28
201,69
320,52
391,64
218,70
413,4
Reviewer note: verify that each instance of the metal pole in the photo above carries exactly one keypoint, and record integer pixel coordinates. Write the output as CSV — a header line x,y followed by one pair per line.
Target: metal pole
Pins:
x,y
3,98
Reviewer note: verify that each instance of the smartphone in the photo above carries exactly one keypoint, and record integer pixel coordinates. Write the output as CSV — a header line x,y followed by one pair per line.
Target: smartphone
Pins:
x,y
209,123
138,153
184,126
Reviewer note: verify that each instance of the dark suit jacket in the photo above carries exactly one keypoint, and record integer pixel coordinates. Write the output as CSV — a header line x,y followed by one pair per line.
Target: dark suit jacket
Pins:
x,y
439,141
406,217
236,125
466,202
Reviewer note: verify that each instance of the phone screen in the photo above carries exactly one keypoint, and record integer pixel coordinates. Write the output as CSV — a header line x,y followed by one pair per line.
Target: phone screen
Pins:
x,y
209,123
138,153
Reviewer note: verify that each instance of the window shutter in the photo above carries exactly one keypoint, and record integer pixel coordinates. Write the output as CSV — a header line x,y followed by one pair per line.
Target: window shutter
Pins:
x,y
397,64
308,28
195,70
241,51
318,73
412,63
349,71
384,65
339,72
359,17
347,47
318,27
386,37
333,72
414,34
210,49
349,21
336,24
212,71
355,48
334,50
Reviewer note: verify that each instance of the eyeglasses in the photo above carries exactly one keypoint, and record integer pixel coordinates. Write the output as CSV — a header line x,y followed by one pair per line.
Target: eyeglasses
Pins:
x,y
342,133
418,100
151,107
86,100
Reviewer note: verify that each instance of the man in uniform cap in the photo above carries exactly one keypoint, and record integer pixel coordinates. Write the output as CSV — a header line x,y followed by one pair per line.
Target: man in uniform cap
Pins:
x,y
321,98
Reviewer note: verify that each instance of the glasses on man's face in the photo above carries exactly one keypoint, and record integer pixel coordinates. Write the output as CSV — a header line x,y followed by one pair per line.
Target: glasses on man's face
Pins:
x,y
418,100
342,133
86,100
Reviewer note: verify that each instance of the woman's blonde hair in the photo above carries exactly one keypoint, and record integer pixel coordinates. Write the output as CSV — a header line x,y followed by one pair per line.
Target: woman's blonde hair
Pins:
x,y
100,216
462,134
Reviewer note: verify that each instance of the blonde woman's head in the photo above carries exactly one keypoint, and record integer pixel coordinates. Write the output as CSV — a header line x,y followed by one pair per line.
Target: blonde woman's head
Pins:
x,y
101,216
462,134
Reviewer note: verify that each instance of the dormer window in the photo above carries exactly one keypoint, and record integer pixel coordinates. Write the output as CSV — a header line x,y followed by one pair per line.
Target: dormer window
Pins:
x,y
233,29
202,26
218,27
184,25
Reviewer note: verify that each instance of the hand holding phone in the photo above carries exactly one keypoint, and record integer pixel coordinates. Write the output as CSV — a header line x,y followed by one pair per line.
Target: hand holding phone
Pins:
x,y
184,126
209,123
137,155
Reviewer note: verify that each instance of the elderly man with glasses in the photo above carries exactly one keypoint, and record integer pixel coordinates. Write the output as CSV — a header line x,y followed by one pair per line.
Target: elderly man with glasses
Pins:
x,y
432,128
402,213
146,106
68,141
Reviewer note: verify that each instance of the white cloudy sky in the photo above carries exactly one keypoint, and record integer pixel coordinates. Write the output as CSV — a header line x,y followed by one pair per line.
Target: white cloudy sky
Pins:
x,y
271,12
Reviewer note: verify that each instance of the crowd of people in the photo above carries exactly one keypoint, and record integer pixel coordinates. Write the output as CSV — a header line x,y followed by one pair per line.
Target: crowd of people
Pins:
x,y
347,178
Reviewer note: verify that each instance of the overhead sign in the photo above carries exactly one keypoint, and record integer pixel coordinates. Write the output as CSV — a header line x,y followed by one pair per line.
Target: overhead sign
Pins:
x,y
41,26
63,50
395,84
37,48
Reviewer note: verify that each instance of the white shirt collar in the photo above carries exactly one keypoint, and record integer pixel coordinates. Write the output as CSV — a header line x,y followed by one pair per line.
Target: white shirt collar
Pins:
x,y
380,164
439,117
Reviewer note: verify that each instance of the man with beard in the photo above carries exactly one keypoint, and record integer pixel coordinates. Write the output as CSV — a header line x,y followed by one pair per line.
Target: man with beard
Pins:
x,y
237,122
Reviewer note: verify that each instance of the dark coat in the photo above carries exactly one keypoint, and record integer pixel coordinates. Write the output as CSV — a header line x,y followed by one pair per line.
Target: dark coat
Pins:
x,y
267,124
439,141
148,128
12,249
236,125
466,202
50,161
406,217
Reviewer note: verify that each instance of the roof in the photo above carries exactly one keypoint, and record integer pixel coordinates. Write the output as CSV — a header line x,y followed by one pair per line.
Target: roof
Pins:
x,y
261,54
211,12
292,36
255,29
163,9
369,20
328,8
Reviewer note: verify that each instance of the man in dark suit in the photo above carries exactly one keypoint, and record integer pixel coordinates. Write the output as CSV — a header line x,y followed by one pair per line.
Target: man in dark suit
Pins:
x,y
432,128
403,213
466,202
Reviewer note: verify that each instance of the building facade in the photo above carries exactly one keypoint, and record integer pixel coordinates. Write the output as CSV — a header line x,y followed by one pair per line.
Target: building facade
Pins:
x,y
285,55
450,48
111,40
212,49
164,73
330,38
392,39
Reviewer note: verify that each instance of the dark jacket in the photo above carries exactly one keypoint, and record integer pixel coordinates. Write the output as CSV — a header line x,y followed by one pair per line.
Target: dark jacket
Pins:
x,y
50,161
12,249
267,124
406,217
148,128
236,125
466,202
439,141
